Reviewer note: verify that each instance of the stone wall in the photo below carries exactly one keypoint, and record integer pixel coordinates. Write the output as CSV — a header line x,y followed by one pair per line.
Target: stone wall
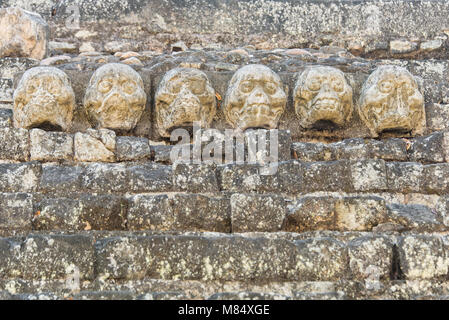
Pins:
x,y
95,207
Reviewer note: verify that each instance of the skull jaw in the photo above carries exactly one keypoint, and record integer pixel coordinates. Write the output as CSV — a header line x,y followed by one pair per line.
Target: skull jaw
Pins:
x,y
324,116
44,116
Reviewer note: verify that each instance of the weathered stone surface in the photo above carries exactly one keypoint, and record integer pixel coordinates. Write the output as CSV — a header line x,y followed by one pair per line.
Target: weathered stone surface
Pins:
x,y
14,144
311,213
19,177
184,96
267,146
404,176
329,176
402,46
288,178
44,98
105,295
255,98
428,149
422,257
435,178
50,146
351,149
5,118
309,151
6,90
390,100
115,98
321,259
16,211
161,153
359,213
132,148
23,34
207,257
257,212
389,149
192,212
247,296
437,116
89,212
368,175
322,95
57,179
9,67
195,177
95,145
57,257
105,178
370,258
415,217
150,177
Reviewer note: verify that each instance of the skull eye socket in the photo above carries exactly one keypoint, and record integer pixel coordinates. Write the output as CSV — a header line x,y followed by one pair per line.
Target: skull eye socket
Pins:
x,y
270,87
246,86
197,87
104,86
129,87
314,84
385,86
31,88
337,85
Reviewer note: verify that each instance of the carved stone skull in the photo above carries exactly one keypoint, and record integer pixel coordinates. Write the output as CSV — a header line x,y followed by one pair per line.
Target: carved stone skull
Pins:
x,y
390,100
255,98
322,94
115,98
44,98
184,96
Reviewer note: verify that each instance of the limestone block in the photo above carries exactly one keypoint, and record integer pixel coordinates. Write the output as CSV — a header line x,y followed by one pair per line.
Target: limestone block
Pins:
x,y
327,176
309,151
6,90
89,212
311,213
370,258
404,177
22,34
14,144
195,177
183,212
391,100
431,148
115,97
16,211
150,177
257,212
132,148
359,213
393,149
44,98
19,177
5,118
415,217
423,257
321,259
255,98
59,179
95,145
436,178
369,175
64,255
50,146
184,96
322,94
105,177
